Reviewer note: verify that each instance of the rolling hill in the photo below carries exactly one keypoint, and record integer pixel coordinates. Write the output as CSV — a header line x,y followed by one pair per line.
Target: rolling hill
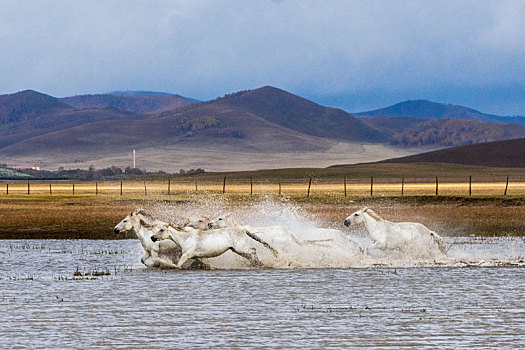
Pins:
x,y
262,120
509,153
28,104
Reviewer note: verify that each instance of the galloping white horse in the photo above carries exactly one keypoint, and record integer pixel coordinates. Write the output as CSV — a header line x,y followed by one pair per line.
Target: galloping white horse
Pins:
x,y
270,234
401,235
324,247
142,225
211,243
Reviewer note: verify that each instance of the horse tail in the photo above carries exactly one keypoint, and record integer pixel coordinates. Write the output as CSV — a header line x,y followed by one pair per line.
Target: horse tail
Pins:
x,y
258,239
439,241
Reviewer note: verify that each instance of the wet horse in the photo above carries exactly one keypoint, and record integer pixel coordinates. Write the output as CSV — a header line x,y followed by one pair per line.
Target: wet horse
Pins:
x,y
211,243
397,235
142,225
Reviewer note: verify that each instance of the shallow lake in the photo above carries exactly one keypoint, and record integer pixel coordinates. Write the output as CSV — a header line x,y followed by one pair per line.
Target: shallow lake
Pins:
x,y
44,305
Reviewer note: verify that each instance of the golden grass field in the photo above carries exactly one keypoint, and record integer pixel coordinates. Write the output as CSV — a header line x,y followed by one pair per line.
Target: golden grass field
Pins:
x,y
319,187
86,214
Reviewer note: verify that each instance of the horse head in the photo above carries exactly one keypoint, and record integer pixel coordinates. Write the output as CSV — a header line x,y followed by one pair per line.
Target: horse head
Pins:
x,y
201,224
131,223
222,221
356,218
161,233
126,225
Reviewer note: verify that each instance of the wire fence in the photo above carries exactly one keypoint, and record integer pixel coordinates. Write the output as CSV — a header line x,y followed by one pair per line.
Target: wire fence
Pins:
x,y
301,187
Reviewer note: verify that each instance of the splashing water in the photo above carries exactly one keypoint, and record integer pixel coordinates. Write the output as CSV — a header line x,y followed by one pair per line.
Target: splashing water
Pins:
x,y
302,242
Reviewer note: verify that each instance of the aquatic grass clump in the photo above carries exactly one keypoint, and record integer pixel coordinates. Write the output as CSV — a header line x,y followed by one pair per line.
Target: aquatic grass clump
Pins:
x,y
93,274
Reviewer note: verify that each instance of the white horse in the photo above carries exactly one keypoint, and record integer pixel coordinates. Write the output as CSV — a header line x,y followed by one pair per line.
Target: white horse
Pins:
x,y
323,247
272,234
211,243
160,254
401,235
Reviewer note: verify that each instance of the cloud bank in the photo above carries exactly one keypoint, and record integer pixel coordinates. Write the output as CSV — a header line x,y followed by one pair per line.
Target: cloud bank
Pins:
x,y
351,54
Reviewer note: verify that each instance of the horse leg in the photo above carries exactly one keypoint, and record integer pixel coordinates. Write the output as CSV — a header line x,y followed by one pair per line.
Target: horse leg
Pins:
x,y
251,256
183,258
145,256
374,246
199,265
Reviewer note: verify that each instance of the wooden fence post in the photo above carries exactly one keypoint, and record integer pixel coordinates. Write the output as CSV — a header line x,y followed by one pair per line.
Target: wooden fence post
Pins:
x,y
371,186
96,188
251,185
506,186
28,188
169,186
7,189
470,186
224,185
309,185
50,192
437,186
121,187
402,186
73,188
279,187
145,190
344,179
196,188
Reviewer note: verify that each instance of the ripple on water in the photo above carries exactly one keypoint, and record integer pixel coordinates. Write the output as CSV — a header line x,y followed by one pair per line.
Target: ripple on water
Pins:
x,y
134,307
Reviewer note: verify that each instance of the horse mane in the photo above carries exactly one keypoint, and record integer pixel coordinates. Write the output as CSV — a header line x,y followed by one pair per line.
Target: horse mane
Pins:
x,y
144,213
145,224
180,225
372,214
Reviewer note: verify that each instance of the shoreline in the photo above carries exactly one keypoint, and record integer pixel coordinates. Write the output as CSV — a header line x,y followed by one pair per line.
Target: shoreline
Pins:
x,y
77,217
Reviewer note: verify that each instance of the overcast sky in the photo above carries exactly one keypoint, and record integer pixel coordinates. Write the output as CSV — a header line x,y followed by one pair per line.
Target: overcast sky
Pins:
x,y
355,55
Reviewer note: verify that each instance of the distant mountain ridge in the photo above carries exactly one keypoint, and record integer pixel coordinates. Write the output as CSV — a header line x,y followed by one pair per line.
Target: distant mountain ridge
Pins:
x,y
130,101
262,120
425,109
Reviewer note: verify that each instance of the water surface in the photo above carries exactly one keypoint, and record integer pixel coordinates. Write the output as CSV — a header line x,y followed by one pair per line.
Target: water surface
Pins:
x,y
42,306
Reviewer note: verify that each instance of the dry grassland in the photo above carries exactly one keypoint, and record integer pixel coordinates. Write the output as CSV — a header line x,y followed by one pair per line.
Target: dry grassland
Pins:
x,y
388,188
91,217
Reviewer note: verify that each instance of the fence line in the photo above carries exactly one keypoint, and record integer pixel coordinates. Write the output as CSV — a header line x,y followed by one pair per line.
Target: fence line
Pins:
x,y
310,185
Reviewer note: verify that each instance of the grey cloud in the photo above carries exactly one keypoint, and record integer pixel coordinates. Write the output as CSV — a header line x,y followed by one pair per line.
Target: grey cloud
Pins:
x,y
324,50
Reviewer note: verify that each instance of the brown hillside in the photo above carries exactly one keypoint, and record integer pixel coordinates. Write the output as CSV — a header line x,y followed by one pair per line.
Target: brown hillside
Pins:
x,y
456,132
209,125
138,103
508,153
392,125
299,114
26,105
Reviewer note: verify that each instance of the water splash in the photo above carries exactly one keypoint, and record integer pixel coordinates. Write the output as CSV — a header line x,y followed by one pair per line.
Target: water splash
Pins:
x,y
303,242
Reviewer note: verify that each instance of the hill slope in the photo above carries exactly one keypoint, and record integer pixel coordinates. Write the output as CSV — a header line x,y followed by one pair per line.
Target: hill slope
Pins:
x,y
28,104
134,102
456,132
509,153
299,114
261,120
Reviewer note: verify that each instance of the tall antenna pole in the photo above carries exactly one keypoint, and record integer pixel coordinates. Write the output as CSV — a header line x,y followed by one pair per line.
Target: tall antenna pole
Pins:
x,y
133,159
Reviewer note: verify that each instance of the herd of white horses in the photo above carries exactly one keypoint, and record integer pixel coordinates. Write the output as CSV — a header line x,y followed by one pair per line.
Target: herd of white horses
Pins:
x,y
222,242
